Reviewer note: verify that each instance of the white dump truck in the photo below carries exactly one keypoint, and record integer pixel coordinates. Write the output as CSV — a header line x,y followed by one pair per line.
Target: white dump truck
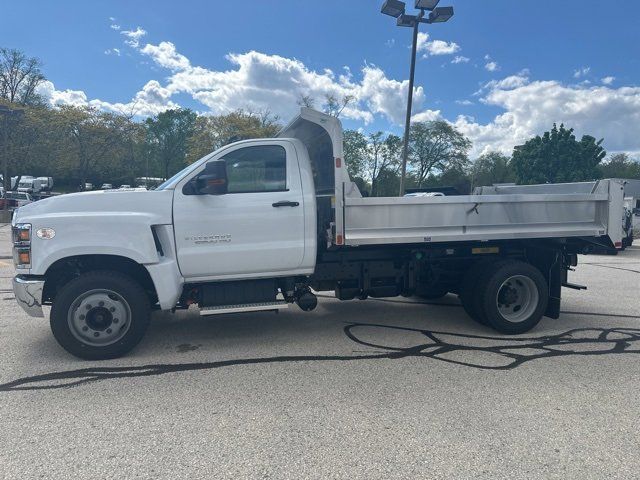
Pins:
x,y
263,224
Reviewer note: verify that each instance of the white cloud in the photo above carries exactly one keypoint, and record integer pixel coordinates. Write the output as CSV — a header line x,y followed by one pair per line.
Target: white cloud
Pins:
x,y
426,116
115,26
492,66
460,59
151,100
112,51
435,47
261,81
531,107
258,81
134,36
465,102
581,72
61,97
507,83
608,80
165,55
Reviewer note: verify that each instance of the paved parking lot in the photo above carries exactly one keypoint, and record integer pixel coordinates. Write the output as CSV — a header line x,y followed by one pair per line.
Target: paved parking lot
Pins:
x,y
375,389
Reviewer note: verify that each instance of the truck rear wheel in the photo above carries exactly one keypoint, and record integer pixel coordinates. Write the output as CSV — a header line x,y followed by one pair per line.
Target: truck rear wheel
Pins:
x,y
100,315
512,296
469,291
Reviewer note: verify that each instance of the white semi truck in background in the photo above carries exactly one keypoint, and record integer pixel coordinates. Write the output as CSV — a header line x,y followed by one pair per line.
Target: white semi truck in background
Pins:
x,y
261,224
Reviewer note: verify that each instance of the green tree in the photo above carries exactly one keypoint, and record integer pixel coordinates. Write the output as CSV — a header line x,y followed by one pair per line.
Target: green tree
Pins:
x,y
372,161
29,142
355,152
620,165
213,132
382,159
491,168
20,77
335,105
435,147
168,134
557,157
92,141
388,183
456,176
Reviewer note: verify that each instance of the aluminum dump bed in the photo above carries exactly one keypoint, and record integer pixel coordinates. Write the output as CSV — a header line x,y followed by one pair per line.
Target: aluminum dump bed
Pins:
x,y
483,217
593,210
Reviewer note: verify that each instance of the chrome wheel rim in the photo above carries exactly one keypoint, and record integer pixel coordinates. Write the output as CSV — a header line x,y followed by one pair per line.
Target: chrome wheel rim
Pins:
x,y
99,317
517,298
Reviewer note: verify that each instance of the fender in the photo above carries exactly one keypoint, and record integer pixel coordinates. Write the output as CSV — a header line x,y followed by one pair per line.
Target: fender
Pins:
x,y
103,223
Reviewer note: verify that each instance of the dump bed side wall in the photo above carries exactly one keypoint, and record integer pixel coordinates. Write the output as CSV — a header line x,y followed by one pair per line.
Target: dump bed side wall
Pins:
x,y
482,217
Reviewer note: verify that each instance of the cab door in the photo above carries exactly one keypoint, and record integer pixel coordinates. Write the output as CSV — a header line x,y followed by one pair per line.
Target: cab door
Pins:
x,y
256,228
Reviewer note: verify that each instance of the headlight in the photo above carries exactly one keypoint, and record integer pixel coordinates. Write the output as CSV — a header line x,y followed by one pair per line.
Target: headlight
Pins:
x,y
21,234
22,257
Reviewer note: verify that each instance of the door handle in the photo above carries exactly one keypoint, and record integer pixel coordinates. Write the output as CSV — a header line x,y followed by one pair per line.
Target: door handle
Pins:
x,y
285,203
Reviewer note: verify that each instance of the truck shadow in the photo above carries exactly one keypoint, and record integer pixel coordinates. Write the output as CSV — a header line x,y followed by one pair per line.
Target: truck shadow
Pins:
x,y
384,342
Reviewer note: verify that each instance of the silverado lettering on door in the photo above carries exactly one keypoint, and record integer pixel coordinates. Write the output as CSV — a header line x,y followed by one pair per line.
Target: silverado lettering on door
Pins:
x,y
215,238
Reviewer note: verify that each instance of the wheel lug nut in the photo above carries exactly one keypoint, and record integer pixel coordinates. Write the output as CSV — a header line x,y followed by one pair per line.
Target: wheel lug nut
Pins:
x,y
81,317
88,307
112,309
108,330
85,328
96,334
116,320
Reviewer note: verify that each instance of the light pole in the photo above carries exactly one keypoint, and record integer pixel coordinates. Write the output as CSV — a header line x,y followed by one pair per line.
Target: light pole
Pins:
x,y
396,8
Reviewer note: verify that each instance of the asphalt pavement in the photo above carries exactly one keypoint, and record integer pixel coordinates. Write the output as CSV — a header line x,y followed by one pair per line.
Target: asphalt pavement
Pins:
x,y
374,389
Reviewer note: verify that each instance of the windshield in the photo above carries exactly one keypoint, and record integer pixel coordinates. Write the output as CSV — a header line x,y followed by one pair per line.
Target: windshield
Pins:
x,y
182,173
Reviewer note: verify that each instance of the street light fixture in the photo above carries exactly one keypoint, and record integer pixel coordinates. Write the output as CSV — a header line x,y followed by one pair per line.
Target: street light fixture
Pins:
x,y
395,8
427,4
406,20
441,14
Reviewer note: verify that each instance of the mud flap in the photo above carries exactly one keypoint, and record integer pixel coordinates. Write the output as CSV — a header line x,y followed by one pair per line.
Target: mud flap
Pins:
x,y
550,262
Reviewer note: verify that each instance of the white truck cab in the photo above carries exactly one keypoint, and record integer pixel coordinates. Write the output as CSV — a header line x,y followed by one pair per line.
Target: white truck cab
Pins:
x,y
261,224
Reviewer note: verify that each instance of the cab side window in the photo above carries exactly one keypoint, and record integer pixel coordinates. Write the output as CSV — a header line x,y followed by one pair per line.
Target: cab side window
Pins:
x,y
262,168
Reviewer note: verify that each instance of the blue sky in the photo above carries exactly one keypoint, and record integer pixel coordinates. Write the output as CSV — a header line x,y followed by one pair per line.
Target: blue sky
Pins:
x,y
521,65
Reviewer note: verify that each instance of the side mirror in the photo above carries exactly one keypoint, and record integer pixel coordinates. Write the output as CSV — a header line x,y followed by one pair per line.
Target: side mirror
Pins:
x,y
211,181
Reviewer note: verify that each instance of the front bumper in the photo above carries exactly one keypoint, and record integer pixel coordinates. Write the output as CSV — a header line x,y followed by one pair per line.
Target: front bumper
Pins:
x,y
28,294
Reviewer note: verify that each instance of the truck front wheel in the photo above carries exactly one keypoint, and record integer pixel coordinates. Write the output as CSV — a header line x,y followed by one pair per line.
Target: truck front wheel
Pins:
x,y
100,315
513,296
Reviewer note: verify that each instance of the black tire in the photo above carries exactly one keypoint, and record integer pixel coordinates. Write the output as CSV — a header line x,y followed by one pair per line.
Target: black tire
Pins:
x,y
505,279
469,290
129,294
